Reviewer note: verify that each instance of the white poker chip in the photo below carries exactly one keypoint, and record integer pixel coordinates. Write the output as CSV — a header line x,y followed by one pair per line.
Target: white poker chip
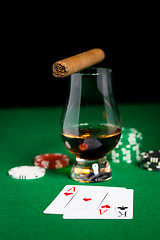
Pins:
x,y
26,172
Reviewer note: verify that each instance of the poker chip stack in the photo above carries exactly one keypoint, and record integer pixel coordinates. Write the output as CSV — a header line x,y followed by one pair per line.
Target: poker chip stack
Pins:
x,y
51,160
151,160
128,148
41,162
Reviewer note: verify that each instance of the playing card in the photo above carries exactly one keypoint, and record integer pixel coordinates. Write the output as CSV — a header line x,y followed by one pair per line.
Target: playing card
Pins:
x,y
68,194
113,205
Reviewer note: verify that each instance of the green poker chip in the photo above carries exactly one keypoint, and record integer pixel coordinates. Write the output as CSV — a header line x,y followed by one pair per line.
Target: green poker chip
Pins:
x,y
128,149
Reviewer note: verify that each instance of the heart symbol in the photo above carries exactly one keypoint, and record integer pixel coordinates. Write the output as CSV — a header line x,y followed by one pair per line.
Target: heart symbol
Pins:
x,y
105,206
67,193
87,199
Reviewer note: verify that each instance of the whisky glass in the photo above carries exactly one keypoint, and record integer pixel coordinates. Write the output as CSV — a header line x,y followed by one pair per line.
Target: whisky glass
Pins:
x,y
91,125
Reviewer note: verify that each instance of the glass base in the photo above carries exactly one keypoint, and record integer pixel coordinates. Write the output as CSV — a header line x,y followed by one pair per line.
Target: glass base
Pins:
x,y
91,171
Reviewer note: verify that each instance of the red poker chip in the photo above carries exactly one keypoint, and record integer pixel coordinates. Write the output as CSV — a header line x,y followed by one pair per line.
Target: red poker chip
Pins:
x,y
51,160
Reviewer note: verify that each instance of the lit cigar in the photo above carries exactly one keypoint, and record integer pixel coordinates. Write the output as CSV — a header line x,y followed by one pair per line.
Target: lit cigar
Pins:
x,y
67,66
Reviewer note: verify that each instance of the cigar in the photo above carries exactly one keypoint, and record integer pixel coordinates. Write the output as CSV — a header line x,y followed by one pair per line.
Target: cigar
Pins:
x,y
76,63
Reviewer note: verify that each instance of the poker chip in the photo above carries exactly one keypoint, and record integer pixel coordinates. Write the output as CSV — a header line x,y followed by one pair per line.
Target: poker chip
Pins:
x,y
26,172
51,160
151,160
128,148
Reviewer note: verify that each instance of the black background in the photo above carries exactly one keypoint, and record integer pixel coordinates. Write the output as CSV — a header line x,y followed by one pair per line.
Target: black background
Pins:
x,y
33,42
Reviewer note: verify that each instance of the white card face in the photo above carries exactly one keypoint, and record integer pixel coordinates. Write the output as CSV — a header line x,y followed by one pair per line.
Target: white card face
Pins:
x,y
86,200
115,205
66,196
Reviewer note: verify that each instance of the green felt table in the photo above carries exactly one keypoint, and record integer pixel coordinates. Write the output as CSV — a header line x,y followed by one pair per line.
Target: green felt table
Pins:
x,y
26,132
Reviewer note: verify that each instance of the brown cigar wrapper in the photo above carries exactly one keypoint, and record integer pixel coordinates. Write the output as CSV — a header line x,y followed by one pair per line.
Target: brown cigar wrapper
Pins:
x,y
78,62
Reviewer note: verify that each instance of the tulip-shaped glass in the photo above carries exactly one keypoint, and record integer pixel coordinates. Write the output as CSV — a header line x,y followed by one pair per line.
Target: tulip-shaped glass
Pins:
x,y
91,125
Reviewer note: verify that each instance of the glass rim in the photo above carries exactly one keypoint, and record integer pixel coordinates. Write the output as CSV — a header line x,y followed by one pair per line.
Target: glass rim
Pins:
x,y
90,73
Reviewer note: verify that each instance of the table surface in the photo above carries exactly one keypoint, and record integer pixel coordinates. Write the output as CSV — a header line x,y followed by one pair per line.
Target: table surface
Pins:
x,y
26,132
